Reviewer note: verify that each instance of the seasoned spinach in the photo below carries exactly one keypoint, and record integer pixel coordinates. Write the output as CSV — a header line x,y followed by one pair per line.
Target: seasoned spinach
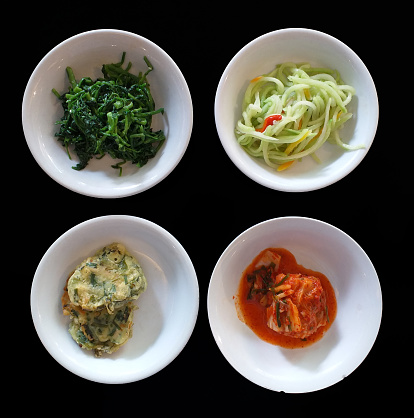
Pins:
x,y
111,115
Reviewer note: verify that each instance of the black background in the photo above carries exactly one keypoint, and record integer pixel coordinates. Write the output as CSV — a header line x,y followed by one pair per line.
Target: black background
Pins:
x,y
201,203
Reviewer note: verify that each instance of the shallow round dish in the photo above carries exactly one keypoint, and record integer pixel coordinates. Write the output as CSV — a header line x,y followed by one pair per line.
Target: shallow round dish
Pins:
x,y
167,309
298,45
320,247
86,53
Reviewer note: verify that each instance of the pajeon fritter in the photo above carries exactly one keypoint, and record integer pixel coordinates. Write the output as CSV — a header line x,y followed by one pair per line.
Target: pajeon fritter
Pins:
x,y
109,279
99,330
99,297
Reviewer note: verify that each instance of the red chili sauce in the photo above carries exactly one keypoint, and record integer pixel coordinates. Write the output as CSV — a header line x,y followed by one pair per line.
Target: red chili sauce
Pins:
x,y
253,313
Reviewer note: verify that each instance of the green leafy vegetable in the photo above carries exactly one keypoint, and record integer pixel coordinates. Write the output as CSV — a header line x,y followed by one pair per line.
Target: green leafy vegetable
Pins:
x,y
283,280
111,115
93,281
279,324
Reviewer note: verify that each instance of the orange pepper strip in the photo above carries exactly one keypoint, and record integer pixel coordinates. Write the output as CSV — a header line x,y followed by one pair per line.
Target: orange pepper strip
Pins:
x,y
286,165
292,146
256,79
316,136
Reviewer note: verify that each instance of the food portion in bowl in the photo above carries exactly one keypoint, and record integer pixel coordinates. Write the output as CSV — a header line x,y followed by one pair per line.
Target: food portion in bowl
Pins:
x,y
98,297
111,115
291,112
283,302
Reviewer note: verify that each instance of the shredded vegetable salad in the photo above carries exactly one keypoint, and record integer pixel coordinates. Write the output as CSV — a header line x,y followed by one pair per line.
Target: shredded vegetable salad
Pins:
x,y
291,112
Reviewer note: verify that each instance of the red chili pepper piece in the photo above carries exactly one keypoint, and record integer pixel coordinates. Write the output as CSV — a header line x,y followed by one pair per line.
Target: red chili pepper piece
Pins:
x,y
269,121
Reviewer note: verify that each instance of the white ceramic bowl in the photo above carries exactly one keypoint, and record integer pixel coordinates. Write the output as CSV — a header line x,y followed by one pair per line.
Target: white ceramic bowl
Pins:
x,y
298,45
320,247
167,309
86,53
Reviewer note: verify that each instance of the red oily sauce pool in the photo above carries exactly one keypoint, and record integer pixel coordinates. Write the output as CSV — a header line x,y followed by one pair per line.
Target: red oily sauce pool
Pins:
x,y
283,302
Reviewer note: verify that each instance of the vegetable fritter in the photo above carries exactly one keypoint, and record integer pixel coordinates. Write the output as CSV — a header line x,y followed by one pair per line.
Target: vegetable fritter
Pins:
x,y
108,280
99,298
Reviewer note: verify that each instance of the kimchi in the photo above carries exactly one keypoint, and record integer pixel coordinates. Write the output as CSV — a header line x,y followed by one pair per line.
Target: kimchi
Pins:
x,y
286,299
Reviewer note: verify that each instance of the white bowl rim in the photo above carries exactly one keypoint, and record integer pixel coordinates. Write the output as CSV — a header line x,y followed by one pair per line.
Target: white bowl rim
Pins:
x,y
280,185
255,376
188,329
89,191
